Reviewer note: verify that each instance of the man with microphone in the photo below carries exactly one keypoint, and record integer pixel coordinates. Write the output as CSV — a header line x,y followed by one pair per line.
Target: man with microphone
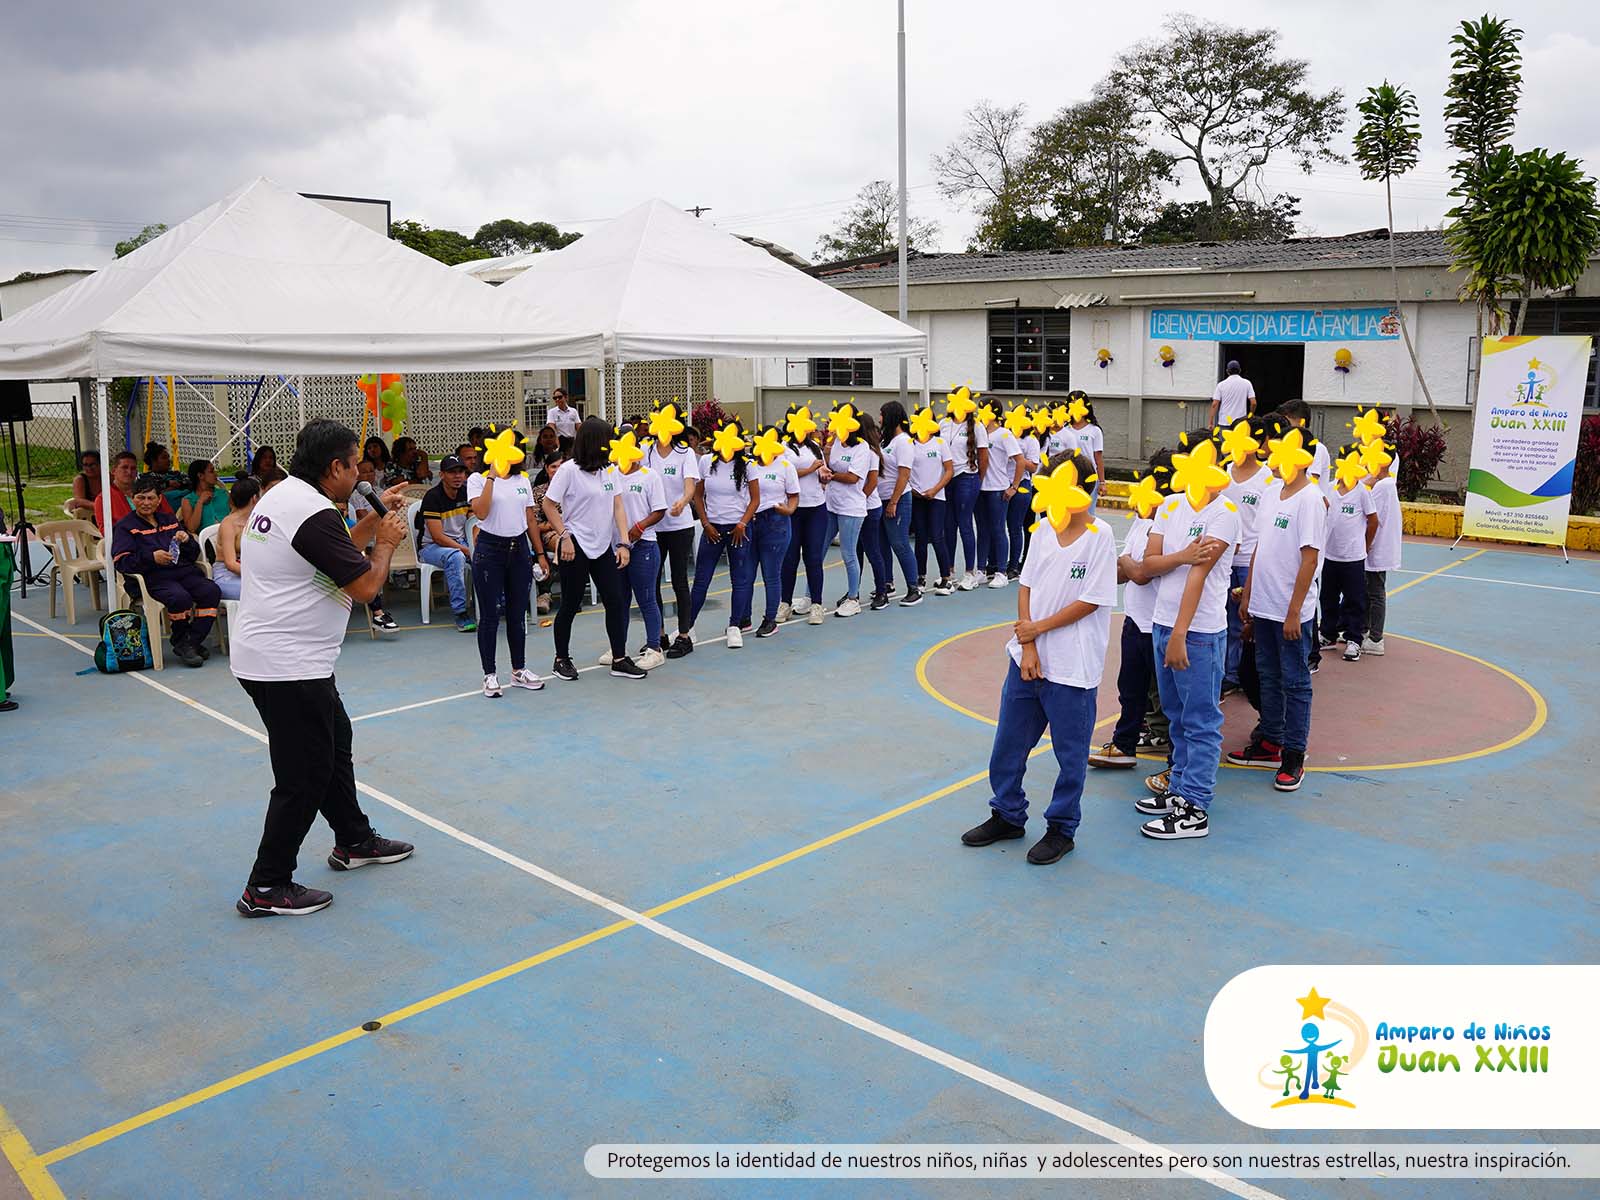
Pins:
x,y
301,574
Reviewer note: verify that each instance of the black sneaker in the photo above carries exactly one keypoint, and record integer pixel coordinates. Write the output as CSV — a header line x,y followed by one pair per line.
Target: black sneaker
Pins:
x,y
564,669
1013,572
374,850
666,643
1052,847
1157,804
912,598
1291,772
200,649
995,829
1184,821
880,601
626,668
768,628
894,590
681,646
187,655
285,900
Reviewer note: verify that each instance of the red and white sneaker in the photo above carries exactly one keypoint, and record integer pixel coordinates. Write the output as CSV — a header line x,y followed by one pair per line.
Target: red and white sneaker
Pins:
x,y
1259,753
1291,772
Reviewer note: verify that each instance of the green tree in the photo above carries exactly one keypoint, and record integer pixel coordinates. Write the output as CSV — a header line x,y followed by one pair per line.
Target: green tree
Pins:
x,y
1534,222
871,225
1091,170
983,170
446,245
1230,102
148,234
1386,147
510,236
1243,220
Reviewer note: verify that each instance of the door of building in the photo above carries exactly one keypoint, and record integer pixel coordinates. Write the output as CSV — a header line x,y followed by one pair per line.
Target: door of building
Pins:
x,y
1277,370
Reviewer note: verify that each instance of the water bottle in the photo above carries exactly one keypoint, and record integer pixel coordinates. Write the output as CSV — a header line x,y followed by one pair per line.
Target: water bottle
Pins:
x,y
172,549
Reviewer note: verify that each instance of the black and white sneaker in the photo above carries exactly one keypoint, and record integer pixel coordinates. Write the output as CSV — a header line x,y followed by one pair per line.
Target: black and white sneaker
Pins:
x,y
1184,821
285,900
626,668
879,602
384,621
565,670
374,850
912,598
1158,804
768,628
943,587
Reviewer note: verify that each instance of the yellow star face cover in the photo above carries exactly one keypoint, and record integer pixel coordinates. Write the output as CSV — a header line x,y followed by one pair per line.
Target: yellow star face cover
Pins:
x,y
625,453
1351,470
1375,457
842,423
924,424
960,405
1239,444
1043,421
1059,494
665,424
987,416
1019,421
1288,456
1060,414
1196,474
800,424
501,452
1368,426
728,441
1145,496
1077,410
768,445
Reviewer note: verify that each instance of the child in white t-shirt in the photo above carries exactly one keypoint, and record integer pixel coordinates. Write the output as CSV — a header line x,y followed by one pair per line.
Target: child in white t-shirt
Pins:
x,y
1091,439
1248,480
1352,524
1067,591
1383,555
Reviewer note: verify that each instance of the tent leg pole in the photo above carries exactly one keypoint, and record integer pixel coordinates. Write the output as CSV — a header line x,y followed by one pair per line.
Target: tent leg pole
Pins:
x,y
603,368
300,399
102,399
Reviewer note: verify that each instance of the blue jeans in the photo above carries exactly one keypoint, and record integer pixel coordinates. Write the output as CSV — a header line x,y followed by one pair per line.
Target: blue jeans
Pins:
x,y
1230,669
1285,671
453,564
771,532
870,547
741,570
644,566
1133,684
991,516
1189,699
1019,516
896,541
1026,707
927,518
808,536
849,536
961,501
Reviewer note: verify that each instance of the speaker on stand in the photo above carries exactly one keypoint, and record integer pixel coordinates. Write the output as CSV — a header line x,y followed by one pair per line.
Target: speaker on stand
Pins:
x,y
16,404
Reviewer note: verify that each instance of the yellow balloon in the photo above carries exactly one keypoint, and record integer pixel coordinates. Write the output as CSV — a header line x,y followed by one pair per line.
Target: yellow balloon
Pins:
x,y
842,422
1288,456
923,424
665,424
501,452
1239,443
1196,473
728,441
625,453
1058,494
768,445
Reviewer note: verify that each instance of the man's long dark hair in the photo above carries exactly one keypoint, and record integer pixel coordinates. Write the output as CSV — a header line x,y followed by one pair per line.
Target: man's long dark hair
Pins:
x,y
319,445
591,447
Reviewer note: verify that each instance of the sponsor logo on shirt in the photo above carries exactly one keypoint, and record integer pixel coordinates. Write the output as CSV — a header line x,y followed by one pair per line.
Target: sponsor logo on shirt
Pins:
x,y
1281,521
1196,530
1250,498
1348,509
1079,570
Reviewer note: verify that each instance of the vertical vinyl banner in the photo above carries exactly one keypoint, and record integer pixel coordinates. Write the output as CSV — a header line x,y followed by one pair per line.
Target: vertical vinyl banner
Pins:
x,y
1525,438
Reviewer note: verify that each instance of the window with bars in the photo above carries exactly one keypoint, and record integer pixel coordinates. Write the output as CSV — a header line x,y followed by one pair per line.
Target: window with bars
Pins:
x,y
1575,316
1030,350
841,372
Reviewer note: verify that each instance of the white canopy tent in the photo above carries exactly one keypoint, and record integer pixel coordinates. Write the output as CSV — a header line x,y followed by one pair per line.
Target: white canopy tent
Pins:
x,y
658,283
266,281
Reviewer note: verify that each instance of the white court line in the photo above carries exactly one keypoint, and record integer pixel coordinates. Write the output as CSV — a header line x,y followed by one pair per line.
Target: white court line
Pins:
x,y
924,1050
1544,587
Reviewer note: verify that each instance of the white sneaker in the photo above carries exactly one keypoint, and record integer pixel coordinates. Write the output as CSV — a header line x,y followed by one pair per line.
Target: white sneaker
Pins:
x,y
815,617
785,611
650,659
968,581
735,638
527,679
605,659
801,606
1352,651
1368,646
998,580
848,607
491,686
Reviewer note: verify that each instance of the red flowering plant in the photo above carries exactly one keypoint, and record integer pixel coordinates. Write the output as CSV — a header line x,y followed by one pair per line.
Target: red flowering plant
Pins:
x,y
1420,448
1586,474
708,414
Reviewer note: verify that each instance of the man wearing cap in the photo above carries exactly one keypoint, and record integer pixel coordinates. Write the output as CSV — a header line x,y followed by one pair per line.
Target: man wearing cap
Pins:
x,y
442,535
1233,399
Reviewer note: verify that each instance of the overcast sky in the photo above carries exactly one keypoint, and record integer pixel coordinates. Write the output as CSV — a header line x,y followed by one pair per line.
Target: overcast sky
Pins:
x,y
772,114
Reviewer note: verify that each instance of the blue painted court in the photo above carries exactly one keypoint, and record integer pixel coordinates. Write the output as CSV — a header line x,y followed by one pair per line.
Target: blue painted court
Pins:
x,y
728,903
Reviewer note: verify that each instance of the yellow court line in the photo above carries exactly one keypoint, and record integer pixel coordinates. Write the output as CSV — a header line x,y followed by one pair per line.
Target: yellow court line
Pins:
x,y
30,1167
1411,583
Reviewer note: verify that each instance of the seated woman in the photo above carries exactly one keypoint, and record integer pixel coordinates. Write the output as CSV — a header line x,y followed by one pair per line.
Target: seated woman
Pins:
x,y
85,486
549,463
205,503
158,462
410,463
376,451
154,545
363,520
264,463
242,501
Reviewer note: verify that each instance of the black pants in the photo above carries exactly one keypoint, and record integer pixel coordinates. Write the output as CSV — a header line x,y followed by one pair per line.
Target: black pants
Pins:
x,y
1133,684
676,546
502,568
1344,599
308,738
190,600
613,590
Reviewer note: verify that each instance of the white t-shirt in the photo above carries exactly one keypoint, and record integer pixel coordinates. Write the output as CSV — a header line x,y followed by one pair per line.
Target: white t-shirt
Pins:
x,y
1287,526
508,507
1139,599
725,503
898,453
1347,525
1091,440
1385,552
927,463
674,467
1179,524
1003,450
1247,496
642,493
811,493
1056,576
777,482
956,435
1030,451
292,607
565,420
587,512
1322,471
1062,441
1233,396
850,499
875,501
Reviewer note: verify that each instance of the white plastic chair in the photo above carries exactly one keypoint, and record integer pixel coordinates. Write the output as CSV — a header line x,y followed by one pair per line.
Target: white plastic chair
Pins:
x,y
74,551
210,555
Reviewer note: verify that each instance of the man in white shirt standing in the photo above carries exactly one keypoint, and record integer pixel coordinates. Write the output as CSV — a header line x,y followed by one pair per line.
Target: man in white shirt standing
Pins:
x,y
564,419
1234,397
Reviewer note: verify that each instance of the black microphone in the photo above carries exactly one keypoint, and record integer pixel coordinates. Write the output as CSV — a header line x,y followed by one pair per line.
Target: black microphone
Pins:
x,y
370,494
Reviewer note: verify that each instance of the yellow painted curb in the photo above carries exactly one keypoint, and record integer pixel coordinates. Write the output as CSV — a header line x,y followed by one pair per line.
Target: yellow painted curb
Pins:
x,y
1444,521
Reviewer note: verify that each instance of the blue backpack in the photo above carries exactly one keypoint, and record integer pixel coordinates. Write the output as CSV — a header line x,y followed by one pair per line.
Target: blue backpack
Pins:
x,y
124,643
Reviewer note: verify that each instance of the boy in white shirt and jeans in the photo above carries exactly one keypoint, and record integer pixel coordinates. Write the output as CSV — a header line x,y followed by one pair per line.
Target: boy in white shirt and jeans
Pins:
x,y
1383,555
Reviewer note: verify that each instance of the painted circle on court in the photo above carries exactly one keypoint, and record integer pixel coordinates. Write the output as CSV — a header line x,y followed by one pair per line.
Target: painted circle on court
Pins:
x,y
1418,705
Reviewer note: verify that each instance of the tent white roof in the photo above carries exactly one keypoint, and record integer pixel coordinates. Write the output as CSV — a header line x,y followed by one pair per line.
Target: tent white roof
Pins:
x,y
266,281
660,284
